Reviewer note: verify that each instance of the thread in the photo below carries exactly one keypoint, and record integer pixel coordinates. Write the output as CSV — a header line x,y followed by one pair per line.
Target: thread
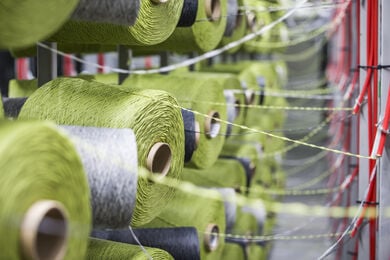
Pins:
x,y
12,106
39,168
204,35
155,22
188,89
23,23
151,114
192,134
205,214
225,172
103,249
188,13
121,12
111,169
180,242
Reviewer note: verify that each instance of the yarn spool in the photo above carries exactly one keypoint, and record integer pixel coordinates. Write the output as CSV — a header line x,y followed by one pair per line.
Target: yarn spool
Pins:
x,y
203,36
239,29
228,173
50,222
189,91
188,13
180,242
262,18
231,20
229,197
153,116
155,22
23,23
12,106
205,213
109,158
192,135
103,249
122,12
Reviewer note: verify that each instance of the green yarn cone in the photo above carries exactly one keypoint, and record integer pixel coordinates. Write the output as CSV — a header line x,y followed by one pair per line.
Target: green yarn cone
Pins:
x,y
38,163
256,252
103,249
152,115
190,93
224,173
154,24
189,209
233,251
25,22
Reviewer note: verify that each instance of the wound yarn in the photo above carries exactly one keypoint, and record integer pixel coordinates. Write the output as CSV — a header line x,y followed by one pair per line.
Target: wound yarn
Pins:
x,y
39,164
190,134
180,242
1,108
187,89
232,12
104,249
155,23
25,22
122,12
188,13
239,29
109,158
153,116
12,106
229,197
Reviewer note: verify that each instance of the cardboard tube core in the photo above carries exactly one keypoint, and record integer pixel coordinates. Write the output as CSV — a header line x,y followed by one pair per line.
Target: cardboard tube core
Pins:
x,y
159,158
197,134
251,21
249,97
44,231
159,1
212,126
213,9
211,238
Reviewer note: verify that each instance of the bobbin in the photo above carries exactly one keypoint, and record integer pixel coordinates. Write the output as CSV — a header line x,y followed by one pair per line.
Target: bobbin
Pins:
x,y
159,159
211,239
213,9
44,231
212,126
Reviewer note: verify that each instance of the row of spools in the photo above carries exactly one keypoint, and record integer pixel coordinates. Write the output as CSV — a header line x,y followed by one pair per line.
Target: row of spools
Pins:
x,y
175,163
96,164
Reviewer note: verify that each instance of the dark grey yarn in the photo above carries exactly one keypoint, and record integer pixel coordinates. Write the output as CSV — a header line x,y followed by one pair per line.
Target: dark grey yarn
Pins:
x,y
109,157
12,106
228,196
230,109
122,12
232,11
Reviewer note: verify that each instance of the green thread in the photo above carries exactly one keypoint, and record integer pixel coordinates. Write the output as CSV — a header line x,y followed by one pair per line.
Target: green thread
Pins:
x,y
40,163
151,114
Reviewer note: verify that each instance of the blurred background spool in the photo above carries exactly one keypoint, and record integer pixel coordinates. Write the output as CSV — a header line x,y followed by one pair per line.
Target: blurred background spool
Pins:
x,y
45,197
104,249
228,173
180,242
231,17
190,93
109,158
229,198
12,106
23,23
204,35
205,213
153,116
1,108
122,12
155,23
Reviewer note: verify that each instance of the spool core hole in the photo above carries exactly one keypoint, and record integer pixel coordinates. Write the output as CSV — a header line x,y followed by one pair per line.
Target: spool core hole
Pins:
x,y
159,159
211,237
212,125
237,107
250,97
213,9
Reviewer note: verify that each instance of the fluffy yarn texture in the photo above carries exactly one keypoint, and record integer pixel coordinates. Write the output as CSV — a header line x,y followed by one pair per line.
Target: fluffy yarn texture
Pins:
x,y
1,108
103,249
110,160
25,22
123,12
40,163
153,115
154,24
190,93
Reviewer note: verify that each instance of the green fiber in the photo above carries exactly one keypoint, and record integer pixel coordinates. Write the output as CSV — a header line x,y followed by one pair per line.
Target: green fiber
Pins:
x,y
103,249
203,36
223,173
154,24
239,31
25,88
1,108
233,251
190,91
262,18
256,252
151,114
189,209
25,22
107,78
40,163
